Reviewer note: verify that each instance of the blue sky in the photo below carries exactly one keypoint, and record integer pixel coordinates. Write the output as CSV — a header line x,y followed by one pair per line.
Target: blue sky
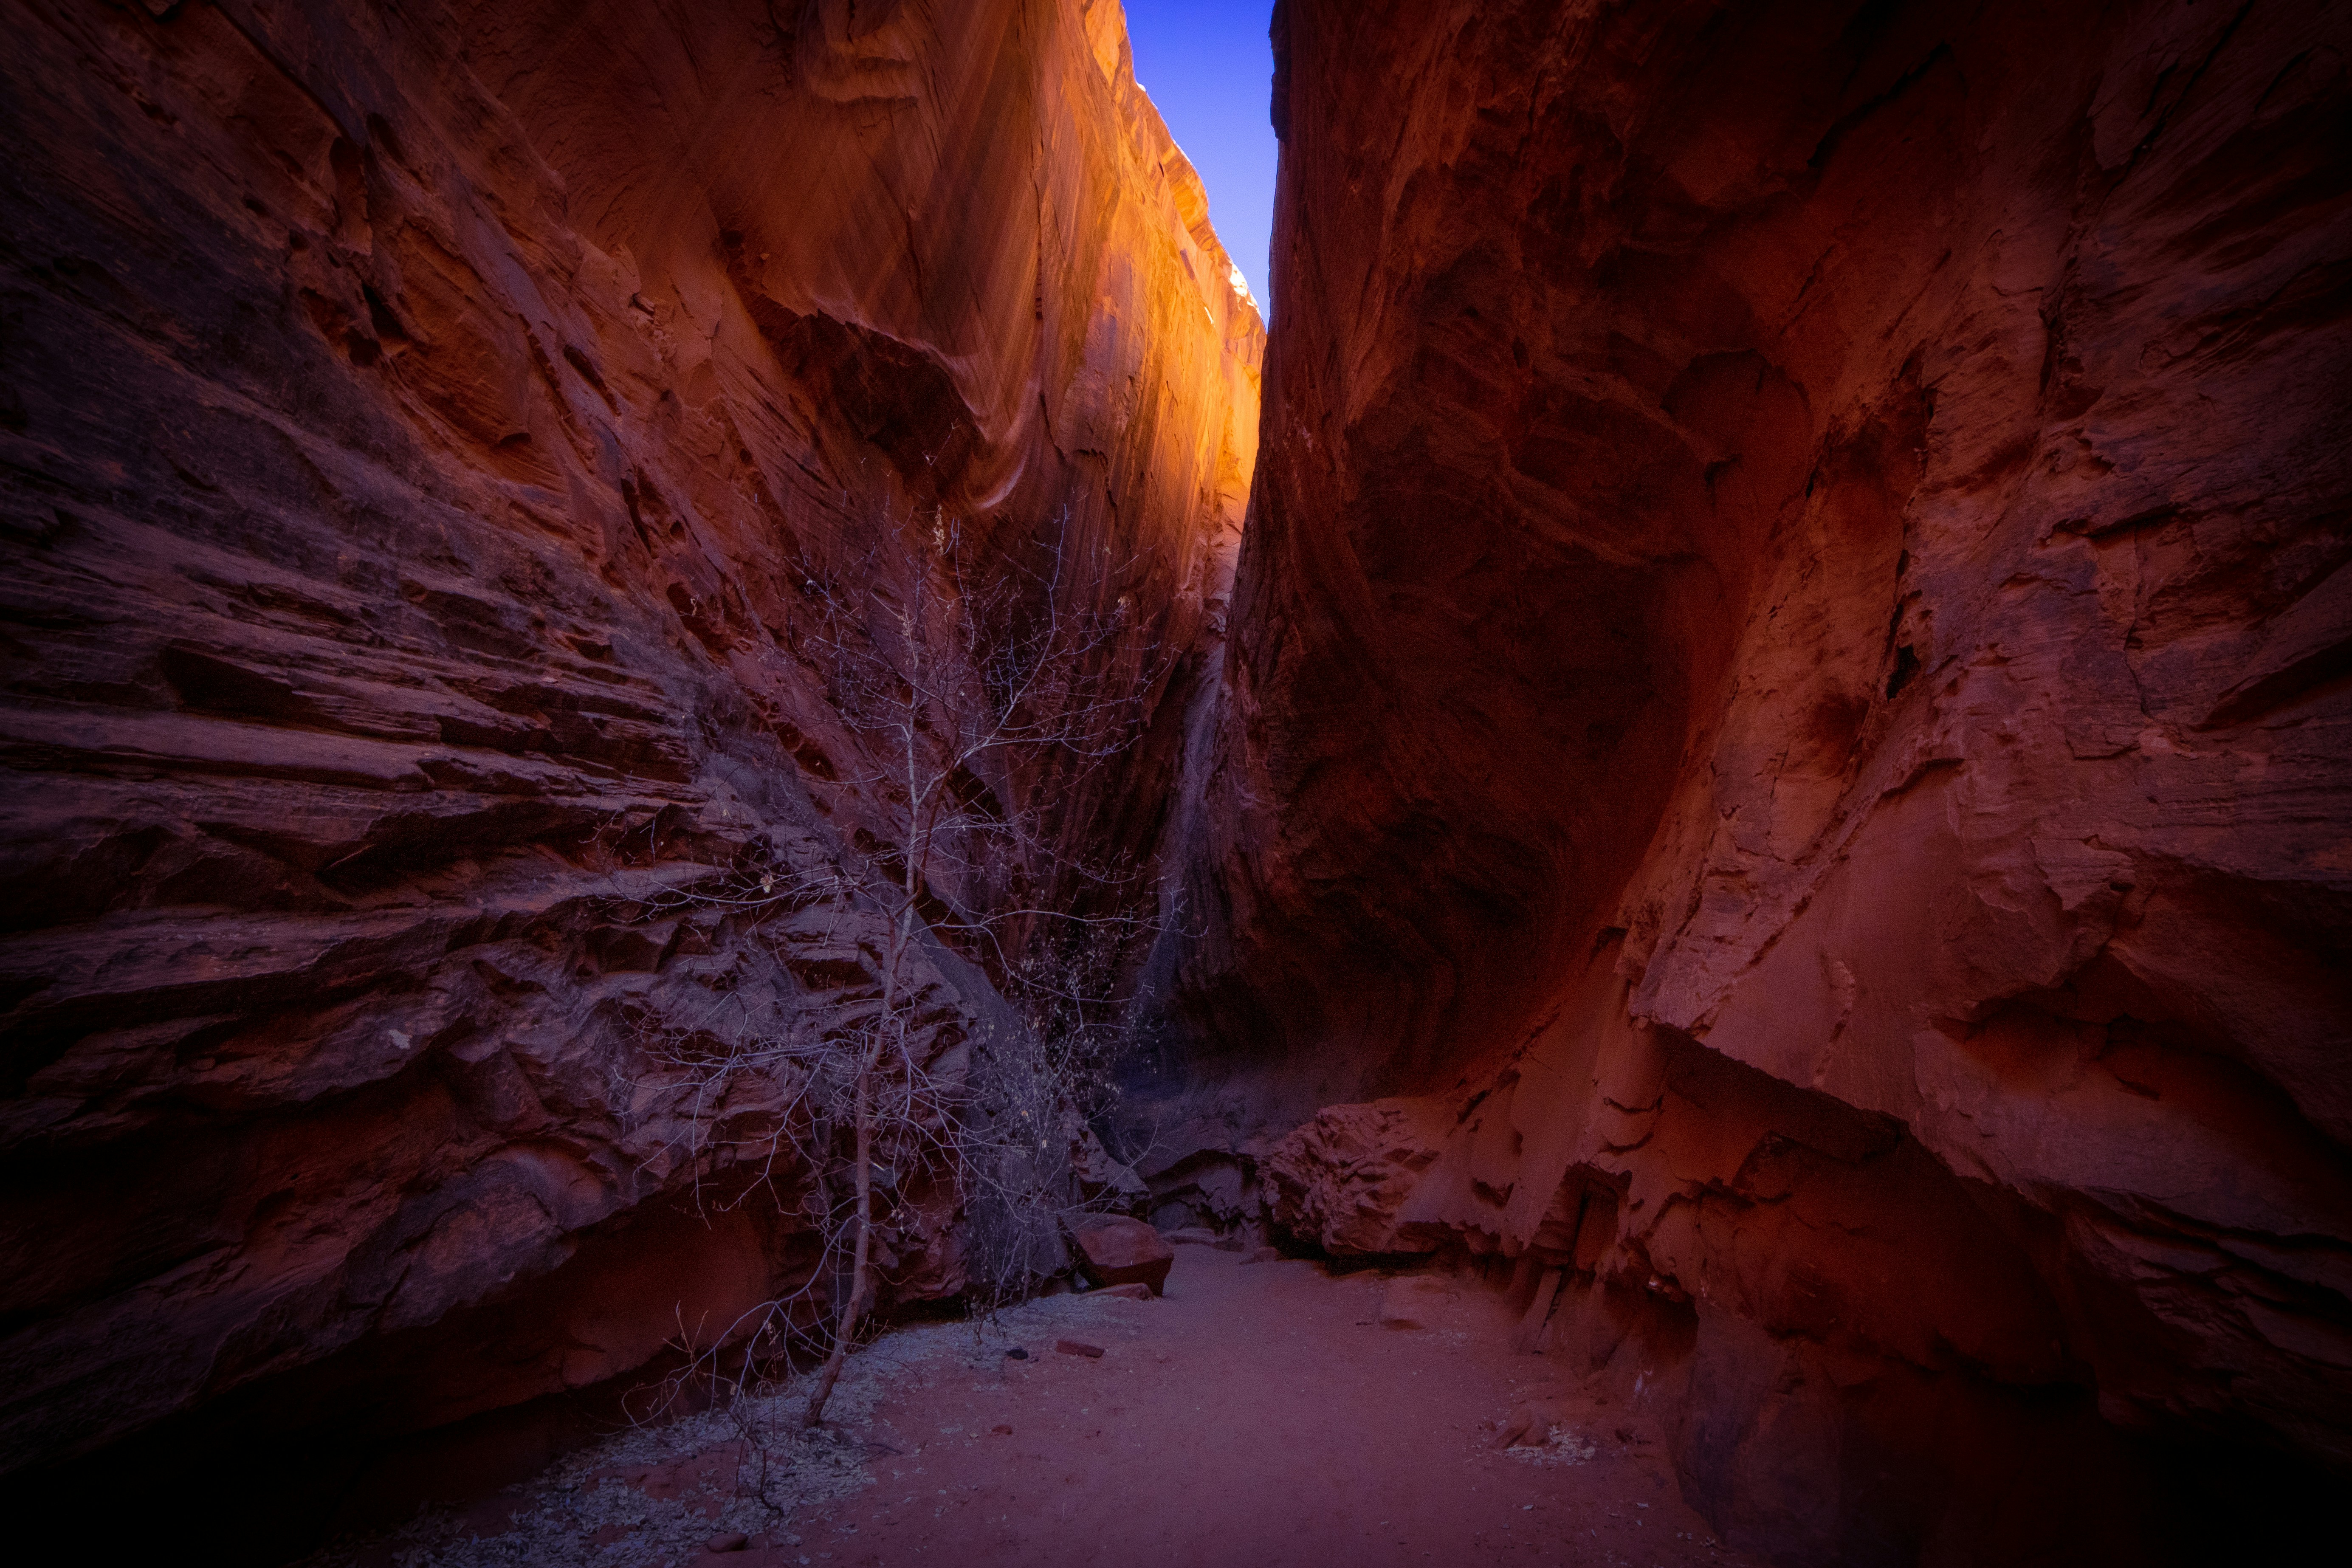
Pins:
x,y
1209,71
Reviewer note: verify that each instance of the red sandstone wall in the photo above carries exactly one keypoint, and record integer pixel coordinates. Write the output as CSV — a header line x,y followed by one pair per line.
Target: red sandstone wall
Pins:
x,y
419,429
1789,699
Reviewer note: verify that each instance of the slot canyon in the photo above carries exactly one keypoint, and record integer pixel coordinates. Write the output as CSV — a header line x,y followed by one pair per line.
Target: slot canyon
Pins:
x,y
1733,747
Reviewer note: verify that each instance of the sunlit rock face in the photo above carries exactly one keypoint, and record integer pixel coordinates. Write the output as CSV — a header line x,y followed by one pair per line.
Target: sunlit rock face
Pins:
x,y
1788,706
422,429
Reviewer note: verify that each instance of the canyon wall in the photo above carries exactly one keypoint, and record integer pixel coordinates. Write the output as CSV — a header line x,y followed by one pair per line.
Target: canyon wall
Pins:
x,y
428,433
1787,746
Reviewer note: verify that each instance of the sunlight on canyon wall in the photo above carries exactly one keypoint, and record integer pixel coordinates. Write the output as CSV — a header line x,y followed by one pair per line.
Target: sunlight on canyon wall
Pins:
x,y
424,427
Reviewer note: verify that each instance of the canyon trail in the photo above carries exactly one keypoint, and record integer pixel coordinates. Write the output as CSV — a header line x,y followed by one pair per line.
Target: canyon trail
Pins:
x,y
1256,1413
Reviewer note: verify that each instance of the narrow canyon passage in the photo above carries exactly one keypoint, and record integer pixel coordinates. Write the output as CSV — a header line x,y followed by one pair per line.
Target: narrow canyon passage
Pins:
x,y
694,692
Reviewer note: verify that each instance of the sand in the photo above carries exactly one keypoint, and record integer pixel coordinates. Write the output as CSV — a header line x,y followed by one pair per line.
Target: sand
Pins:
x,y
1258,1413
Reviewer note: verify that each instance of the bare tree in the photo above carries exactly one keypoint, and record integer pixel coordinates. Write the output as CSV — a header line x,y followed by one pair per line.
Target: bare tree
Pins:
x,y
987,699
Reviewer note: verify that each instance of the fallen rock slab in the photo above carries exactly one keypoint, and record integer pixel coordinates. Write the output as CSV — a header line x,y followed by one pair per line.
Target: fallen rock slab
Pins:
x,y
1115,1251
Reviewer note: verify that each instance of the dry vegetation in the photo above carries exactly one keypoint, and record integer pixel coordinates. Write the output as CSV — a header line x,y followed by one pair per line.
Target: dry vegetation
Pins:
x,y
987,706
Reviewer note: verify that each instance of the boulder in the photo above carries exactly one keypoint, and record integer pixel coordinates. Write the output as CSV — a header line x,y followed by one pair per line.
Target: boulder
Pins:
x,y
1115,1251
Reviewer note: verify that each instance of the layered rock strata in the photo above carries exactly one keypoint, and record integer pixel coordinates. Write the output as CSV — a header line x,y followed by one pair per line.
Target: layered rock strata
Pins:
x,y
427,431
1787,748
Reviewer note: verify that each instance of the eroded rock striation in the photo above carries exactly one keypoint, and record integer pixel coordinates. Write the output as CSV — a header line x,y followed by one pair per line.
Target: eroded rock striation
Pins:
x,y
1779,757
1787,709
426,429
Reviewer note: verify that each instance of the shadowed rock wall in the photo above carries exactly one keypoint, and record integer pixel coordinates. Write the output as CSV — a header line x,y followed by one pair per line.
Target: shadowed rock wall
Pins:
x,y
1789,709
421,429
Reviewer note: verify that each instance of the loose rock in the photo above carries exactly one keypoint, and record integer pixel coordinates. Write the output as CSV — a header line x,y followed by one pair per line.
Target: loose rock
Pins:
x,y
1117,1251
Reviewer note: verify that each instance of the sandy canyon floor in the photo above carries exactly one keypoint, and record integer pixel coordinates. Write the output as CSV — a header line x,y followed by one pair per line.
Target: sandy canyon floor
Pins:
x,y
1255,1414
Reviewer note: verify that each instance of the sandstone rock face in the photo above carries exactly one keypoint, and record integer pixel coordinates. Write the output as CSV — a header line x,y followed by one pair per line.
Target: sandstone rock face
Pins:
x,y
1343,1177
1789,687
425,429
